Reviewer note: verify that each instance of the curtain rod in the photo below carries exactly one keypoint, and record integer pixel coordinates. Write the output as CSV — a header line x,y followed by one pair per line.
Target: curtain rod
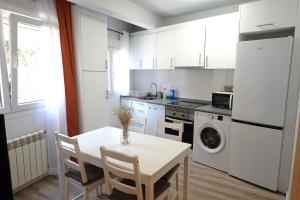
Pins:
x,y
115,31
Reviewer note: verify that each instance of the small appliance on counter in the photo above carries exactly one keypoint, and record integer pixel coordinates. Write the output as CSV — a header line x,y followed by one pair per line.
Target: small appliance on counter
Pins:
x,y
222,100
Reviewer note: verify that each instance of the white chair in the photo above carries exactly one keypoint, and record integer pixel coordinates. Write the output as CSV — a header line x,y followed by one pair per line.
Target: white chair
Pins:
x,y
160,132
80,174
124,183
161,126
138,124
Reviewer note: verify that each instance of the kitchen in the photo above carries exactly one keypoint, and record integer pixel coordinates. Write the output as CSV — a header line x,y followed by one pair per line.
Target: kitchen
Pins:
x,y
225,74
198,76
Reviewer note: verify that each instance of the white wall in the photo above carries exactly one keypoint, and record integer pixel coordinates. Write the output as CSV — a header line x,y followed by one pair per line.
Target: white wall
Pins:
x,y
194,84
200,15
24,122
124,10
292,107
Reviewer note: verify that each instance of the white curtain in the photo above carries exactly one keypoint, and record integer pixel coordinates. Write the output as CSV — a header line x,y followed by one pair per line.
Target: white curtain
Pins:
x,y
51,58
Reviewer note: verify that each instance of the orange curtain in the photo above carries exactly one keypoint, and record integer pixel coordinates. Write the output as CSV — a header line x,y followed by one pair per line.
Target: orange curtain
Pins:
x,y
63,9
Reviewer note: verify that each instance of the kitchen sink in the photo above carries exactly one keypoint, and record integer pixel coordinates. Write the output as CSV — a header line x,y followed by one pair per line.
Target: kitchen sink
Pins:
x,y
147,98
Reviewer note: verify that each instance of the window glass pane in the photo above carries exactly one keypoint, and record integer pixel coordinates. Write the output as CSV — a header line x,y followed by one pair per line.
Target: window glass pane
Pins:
x,y
116,76
7,44
30,72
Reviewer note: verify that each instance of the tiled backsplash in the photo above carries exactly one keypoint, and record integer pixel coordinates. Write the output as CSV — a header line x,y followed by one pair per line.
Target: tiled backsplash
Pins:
x,y
194,84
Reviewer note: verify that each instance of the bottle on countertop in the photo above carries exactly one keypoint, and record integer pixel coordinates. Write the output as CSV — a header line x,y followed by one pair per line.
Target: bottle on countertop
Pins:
x,y
172,93
165,94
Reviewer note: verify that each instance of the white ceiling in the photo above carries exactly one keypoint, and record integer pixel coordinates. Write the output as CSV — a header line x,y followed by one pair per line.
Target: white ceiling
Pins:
x,y
172,8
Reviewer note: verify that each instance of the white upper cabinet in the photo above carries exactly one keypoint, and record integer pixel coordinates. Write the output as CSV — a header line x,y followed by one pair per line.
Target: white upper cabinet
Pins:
x,y
144,51
135,43
190,44
267,15
93,43
165,49
207,43
222,35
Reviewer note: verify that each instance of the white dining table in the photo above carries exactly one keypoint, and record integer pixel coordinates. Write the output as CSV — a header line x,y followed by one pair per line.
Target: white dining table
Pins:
x,y
156,155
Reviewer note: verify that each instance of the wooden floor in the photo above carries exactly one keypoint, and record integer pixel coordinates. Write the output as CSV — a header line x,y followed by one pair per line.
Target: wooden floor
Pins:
x,y
205,184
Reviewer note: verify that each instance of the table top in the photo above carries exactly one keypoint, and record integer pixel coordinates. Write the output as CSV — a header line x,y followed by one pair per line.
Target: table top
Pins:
x,y
154,152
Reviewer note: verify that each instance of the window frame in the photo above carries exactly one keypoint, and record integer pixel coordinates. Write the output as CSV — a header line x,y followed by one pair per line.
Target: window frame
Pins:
x,y
5,92
14,20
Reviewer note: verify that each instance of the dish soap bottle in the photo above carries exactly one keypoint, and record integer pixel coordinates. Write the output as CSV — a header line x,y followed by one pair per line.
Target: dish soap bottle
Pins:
x,y
165,94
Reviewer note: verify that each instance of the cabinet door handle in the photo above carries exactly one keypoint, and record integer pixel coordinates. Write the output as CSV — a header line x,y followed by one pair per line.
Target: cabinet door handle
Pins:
x,y
140,63
107,94
200,59
154,63
172,62
106,65
263,25
206,61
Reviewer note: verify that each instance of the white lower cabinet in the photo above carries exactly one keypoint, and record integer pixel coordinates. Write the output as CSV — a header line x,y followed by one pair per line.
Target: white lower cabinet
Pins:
x,y
152,112
255,154
128,103
140,108
155,113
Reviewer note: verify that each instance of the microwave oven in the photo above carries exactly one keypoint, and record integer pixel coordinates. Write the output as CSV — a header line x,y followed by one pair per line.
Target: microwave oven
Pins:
x,y
222,100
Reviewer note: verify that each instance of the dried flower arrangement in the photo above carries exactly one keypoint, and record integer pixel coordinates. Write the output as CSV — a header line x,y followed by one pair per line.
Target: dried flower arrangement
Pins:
x,y
125,116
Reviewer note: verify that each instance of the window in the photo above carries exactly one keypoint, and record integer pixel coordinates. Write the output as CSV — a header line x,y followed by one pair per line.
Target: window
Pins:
x,y
114,70
118,74
22,44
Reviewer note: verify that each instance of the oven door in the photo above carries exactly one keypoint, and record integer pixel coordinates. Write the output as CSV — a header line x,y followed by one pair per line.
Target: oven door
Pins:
x,y
188,129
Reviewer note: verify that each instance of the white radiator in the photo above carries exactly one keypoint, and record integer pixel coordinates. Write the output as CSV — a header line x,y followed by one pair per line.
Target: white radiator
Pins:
x,y
28,158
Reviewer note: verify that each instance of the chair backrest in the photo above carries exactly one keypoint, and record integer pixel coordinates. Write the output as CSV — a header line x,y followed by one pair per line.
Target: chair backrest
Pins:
x,y
138,124
112,167
68,152
161,126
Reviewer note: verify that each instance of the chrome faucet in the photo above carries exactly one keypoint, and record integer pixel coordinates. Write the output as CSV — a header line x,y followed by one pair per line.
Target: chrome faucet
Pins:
x,y
153,83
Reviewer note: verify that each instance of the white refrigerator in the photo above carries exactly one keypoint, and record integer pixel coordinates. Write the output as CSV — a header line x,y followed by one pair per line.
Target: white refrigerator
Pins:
x,y
259,104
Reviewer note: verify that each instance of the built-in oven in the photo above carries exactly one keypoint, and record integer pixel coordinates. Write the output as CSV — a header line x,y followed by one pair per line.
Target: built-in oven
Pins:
x,y
182,115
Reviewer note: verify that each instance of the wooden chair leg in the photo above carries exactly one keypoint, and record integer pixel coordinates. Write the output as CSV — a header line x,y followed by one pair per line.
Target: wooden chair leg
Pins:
x,y
86,194
177,186
99,192
67,190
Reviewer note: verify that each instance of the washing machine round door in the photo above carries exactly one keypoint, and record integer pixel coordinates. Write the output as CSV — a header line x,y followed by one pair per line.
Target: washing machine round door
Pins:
x,y
211,138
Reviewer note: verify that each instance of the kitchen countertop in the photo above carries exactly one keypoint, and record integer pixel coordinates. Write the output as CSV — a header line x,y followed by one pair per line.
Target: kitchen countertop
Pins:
x,y
211,109
154,101
168,102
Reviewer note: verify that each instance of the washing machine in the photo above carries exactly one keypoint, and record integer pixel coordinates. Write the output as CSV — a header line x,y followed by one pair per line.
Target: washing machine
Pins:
x,y
212,140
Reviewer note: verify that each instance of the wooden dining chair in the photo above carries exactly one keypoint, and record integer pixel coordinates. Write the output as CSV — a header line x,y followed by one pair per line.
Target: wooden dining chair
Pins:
x,y
138,124
177,127
80,174
124,183
160,132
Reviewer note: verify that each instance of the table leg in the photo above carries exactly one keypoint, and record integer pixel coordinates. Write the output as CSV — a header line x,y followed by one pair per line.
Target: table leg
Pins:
x,y
149,186
186,177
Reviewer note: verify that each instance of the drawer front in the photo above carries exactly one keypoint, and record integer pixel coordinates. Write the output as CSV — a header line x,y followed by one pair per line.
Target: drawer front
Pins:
x,y
140,108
